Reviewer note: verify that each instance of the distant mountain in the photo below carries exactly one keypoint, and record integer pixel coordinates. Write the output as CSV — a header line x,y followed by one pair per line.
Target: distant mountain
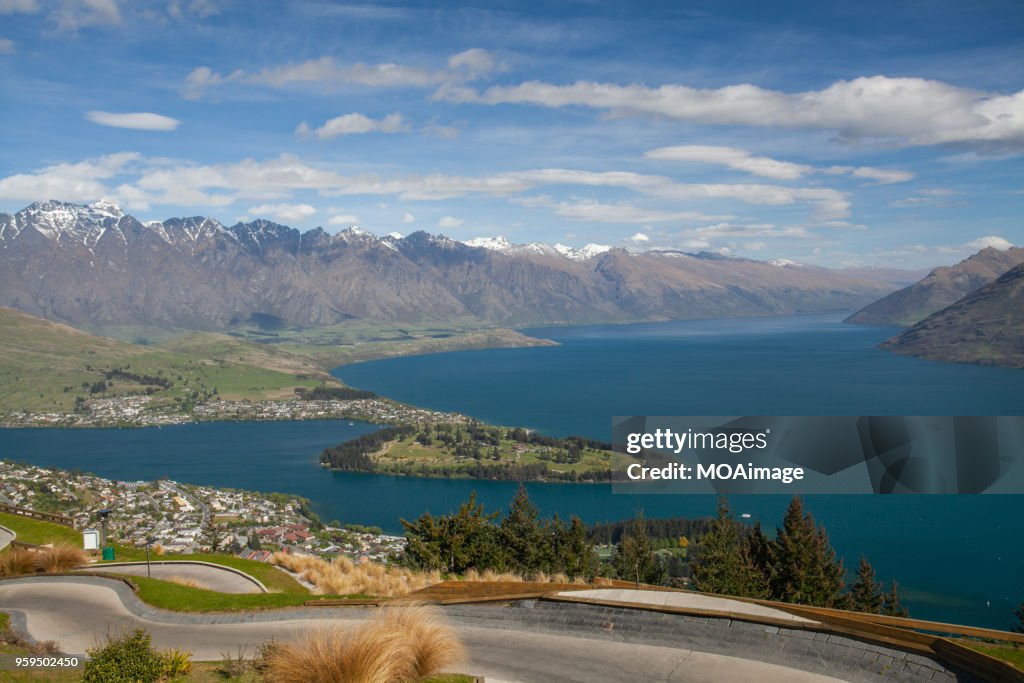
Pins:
x,y
97,266
941,288
985,327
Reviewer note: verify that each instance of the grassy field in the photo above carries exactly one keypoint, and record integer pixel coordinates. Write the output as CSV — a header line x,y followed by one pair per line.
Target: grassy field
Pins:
x,y
39,532
45,366
438,456
1014,654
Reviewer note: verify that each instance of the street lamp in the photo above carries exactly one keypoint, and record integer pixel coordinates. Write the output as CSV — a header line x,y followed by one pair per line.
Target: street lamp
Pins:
x,y
149,542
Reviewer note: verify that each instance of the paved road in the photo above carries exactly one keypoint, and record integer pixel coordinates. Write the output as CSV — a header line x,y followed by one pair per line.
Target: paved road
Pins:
x,y
205,576
678,599
6,536
79,612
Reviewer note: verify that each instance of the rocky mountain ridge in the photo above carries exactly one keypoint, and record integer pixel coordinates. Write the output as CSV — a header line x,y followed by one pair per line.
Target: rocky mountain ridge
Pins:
x,y
96,265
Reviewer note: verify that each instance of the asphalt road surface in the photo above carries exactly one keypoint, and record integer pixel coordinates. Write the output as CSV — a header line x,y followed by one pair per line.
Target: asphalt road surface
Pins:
x,y
78,613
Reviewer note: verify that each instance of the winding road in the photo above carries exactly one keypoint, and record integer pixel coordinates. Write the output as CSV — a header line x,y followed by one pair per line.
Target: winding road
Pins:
x,y
78,612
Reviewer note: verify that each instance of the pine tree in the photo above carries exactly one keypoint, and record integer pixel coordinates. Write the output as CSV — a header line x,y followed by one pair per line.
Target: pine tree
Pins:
x,y
520,535
866,594
211,535
758,549
634,558
580,558
892,607
804,566
453,543
723,563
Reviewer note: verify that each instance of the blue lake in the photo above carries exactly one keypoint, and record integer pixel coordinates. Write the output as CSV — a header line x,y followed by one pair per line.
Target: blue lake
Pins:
x,y
957,558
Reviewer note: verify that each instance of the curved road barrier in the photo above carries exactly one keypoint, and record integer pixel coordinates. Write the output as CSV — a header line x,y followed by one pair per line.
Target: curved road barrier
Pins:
x,y
208,575
77,612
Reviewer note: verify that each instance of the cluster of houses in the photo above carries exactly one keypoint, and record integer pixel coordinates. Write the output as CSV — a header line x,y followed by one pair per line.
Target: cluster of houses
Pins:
x,y
150,411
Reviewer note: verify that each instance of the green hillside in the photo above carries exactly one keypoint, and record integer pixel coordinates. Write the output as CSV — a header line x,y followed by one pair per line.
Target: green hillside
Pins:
x,y
45,366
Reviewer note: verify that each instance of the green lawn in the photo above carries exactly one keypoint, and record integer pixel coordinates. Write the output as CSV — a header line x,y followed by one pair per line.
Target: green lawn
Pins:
x,y
409,451
273,578
173,596
39,532
1014,654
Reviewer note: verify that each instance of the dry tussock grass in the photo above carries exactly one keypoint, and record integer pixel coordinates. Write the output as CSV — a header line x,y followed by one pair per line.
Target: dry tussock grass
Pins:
x,y
188,582
61,557
342,576
17,561
401,644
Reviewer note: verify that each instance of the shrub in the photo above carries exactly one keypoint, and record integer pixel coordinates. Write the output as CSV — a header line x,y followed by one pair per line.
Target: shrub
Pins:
x,y
177,663
344,577
129,658
370,653
17,561
406,643
435,645
61,557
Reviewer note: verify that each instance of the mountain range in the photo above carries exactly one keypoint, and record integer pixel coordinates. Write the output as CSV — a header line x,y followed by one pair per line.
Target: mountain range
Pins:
x,y
941,288
986,326
95,265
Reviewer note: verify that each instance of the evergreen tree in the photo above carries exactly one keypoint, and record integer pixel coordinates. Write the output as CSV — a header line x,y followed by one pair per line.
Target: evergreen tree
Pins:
x,y
866,594
634,558
580,558
804,566
892,606
1019,613
758,549
724,563
520,536
453,543
211,535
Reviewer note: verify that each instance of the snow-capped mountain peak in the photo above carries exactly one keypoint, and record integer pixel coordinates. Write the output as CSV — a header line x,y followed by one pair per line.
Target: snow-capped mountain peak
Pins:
x,y
583,253
498,243
503,245
60,220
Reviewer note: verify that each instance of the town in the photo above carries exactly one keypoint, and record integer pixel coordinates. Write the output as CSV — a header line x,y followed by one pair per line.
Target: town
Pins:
x,y
171,517
146,411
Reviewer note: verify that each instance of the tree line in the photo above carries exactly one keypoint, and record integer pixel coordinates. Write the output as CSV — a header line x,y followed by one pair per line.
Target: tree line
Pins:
x,y
799,565
521,541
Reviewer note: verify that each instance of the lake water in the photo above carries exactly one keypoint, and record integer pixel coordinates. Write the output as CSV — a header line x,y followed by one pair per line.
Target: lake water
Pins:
x,y
958,558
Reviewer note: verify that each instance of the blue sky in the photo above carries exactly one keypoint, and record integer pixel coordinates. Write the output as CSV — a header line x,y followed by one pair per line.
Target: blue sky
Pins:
x,y
830,133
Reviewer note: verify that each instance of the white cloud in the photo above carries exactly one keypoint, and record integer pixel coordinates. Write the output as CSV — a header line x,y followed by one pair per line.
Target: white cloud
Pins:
x,y
6,46
639,238
599,212
959,250
353,124
344,219
912,111
882,176
746,230
325,72
408,218
133,120
161,181
742,160
449,222
72,15
994,241
475,62
282,213
78,182
18,6
731,157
